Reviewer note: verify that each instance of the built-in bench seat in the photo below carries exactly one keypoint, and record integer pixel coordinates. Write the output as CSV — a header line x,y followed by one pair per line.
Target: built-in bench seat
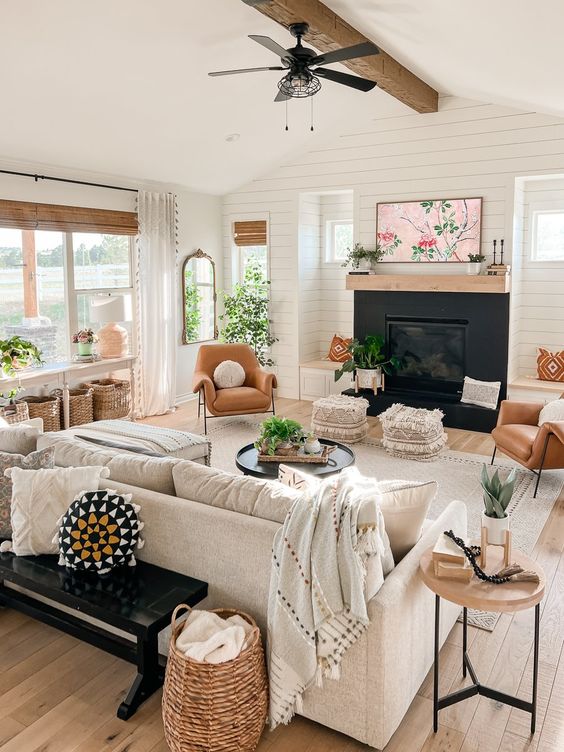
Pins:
x,y
317,379
530,389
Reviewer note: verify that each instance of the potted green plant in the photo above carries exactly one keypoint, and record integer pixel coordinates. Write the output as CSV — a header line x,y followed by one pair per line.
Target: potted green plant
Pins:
x,y
369,361
279,435
85,340
474,265
360,257
16,354
497,495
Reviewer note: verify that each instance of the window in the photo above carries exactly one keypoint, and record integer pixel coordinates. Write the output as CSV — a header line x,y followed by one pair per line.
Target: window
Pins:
x,y
338,239
547,236
48,278
251,246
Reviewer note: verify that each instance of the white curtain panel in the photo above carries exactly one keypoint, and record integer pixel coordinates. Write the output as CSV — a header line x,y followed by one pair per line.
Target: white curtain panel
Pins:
x,y
156,304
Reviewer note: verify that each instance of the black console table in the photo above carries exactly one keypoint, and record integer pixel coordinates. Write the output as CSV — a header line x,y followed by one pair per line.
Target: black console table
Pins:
x,y
137,600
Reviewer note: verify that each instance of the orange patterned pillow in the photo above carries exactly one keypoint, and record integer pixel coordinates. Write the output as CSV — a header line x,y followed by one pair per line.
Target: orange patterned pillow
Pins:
x,y
550,365
338,352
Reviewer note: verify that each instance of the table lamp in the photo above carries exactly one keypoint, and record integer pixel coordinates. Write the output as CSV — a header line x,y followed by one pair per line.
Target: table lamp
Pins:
x,y
112,338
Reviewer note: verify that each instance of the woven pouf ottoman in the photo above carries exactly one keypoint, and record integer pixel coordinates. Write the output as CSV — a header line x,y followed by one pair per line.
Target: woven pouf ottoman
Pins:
x,y
413,433
340,418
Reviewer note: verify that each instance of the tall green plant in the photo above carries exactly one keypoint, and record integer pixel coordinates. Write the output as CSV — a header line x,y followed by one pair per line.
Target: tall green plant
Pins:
x,y
497,493
369,354
192,314
246,314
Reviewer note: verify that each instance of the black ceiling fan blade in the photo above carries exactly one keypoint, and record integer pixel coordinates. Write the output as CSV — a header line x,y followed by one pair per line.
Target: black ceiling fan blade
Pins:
x,y
365,49
273,46
355,82
243,70
281,97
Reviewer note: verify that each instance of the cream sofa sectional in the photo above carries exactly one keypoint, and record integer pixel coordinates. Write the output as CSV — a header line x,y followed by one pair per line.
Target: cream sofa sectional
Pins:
x,y
219,528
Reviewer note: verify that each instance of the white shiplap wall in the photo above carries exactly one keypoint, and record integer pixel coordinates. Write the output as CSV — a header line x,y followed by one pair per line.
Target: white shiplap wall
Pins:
x,y
465,149
309,251
540,319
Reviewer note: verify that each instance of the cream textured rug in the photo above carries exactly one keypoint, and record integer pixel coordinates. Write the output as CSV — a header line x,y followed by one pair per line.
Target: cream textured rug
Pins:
x,y
457,474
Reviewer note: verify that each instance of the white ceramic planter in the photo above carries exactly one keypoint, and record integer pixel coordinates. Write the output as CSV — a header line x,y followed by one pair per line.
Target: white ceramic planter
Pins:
x,y
369,378
496,527
312,446
474,267
364,264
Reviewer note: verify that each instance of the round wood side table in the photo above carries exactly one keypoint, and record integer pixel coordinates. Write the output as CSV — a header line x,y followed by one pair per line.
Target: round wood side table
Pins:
x,y
484,596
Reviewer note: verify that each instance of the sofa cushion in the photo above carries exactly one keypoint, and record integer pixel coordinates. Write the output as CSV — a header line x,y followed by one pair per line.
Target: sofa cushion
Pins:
x,y
19,439
404,505
517,439
268,500
152,473
70,452
240,398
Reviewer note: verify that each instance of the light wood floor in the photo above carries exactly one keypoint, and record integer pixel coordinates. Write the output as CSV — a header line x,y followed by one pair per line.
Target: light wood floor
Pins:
x,y
61,695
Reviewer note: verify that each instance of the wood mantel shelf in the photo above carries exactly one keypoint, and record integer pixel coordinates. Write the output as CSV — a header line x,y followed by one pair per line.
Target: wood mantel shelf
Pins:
x,y
429,282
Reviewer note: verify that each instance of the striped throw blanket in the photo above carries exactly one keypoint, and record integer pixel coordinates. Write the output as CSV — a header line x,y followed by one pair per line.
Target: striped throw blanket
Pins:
x,y
317,601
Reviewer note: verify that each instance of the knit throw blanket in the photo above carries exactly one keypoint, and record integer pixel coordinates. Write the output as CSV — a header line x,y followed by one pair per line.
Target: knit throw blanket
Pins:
x,y
317,601
166,439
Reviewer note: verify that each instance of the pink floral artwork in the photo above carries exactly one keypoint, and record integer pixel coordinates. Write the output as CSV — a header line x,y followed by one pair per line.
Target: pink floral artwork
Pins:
x,y
421,231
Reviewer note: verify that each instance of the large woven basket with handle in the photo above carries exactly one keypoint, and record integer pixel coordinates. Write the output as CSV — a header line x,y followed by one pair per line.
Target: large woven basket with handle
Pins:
x,y
218,707
112,398
46,408
81,406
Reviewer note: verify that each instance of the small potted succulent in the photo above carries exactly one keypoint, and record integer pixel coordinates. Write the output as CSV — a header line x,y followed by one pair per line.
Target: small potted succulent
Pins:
x,y
279,436
85,340
474,265
16,354
361,258
369,361
312,445
497,495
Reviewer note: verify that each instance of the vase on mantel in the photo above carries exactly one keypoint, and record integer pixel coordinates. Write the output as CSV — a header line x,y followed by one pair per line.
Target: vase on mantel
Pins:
x,y
474,267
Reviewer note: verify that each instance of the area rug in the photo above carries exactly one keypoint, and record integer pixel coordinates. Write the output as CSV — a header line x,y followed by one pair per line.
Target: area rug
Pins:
x,y
457,475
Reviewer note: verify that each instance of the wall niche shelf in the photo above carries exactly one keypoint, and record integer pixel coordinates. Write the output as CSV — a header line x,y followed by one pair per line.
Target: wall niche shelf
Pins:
x,y
429,283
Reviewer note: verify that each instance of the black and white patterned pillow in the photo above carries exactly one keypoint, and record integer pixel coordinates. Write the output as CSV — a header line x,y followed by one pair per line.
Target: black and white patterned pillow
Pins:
x,y
99,531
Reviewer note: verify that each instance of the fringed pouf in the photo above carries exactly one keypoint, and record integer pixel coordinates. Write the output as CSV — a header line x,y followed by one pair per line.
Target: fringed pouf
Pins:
x,y
340,418
413,433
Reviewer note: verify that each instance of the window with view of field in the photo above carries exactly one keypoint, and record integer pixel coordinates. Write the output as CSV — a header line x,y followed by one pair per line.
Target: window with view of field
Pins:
x,y
48,278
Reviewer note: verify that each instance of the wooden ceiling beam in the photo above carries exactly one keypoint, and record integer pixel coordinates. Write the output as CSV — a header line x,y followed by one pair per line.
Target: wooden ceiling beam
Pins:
x,y
328,31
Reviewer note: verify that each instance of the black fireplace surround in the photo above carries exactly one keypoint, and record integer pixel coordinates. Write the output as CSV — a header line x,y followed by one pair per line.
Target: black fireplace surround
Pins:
x,y
442,337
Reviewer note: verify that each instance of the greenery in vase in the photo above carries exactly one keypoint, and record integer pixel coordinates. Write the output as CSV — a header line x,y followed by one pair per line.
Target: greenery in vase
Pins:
x,y
192,314
358,253
246,314
275,431
368,355
17,353
497,493
476,258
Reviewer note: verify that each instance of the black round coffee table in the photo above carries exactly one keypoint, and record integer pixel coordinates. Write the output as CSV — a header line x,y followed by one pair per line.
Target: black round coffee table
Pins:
x,y
339,458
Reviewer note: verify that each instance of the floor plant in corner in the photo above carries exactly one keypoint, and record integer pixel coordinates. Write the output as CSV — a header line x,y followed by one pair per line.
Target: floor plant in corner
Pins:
x,y
497,496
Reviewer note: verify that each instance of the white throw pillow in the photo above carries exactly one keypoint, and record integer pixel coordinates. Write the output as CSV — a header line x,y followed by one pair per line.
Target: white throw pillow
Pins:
x,y
552,412
404,504
229,374
18,439
482,393
39,500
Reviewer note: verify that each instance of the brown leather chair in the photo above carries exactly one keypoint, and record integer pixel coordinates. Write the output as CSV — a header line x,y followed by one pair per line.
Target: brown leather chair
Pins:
x,y
519,436
255,396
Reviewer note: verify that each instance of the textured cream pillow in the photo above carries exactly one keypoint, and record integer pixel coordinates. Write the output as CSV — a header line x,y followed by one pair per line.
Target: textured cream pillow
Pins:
x,y
19,439
552,412
481,393
39,500
229,374
404,504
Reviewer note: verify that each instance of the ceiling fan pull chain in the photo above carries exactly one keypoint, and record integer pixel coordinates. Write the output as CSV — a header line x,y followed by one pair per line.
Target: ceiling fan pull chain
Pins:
x,y
311,100
286,116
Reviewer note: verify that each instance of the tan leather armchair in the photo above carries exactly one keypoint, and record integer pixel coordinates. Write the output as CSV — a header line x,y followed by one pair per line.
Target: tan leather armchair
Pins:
x,y
519,436
255,396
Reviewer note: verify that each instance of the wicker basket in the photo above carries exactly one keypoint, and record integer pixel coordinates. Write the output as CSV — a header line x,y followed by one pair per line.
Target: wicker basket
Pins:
x,y
17,412
81,406
215,707
46,408
112,398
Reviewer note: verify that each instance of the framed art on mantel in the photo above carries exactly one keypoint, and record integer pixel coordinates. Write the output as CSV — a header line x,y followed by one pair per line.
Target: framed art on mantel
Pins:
x,y
429,231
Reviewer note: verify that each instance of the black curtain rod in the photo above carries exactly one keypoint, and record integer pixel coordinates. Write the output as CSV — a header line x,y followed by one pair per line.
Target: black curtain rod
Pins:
x,y
66,180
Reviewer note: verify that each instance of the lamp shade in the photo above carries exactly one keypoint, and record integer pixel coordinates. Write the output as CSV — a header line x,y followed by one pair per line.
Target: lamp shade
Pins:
x,y
106,309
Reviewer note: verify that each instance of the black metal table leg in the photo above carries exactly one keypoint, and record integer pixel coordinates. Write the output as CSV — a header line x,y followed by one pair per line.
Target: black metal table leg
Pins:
x,y
149,677
436,665
464,639
535,668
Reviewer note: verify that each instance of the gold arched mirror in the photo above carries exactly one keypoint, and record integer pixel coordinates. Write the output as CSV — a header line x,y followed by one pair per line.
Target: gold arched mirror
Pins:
x,y
199,298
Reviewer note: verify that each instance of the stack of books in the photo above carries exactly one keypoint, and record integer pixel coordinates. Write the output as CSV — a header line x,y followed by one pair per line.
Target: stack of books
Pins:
x,y
449,560
498,270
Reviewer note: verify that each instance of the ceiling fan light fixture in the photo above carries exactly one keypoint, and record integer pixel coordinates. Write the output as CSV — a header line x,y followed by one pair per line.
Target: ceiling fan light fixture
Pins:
x,y
299,85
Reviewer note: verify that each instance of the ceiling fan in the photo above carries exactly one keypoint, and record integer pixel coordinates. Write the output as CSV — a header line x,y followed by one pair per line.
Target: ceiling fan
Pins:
x,y
305,67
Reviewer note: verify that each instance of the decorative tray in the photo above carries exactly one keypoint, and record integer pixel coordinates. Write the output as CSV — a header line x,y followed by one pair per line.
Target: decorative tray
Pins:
x,y
298,455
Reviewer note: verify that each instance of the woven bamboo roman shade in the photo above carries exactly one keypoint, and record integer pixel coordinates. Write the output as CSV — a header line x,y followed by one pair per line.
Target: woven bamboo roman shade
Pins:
x,y
250,233
23,215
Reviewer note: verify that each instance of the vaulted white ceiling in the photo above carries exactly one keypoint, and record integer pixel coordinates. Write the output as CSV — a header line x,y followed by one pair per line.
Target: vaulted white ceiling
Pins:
x,y
121,88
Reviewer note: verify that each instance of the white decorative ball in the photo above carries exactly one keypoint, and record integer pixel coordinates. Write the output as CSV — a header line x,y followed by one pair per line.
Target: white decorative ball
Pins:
x,y
229,374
